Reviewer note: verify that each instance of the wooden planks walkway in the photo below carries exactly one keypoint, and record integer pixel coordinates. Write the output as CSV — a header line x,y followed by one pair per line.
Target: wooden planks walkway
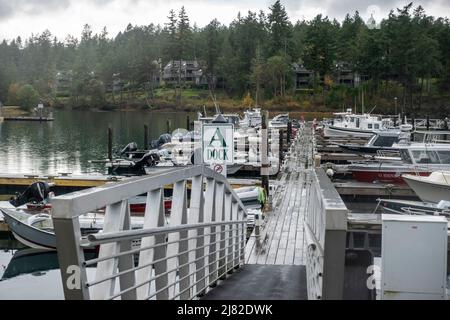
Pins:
x,y
282,238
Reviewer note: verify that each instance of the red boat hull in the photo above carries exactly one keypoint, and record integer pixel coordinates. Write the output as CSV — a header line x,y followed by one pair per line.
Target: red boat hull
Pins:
x,y
138,209
384,176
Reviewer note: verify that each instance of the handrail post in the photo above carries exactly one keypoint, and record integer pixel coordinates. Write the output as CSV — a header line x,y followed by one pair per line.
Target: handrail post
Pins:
x,y
236,236
73,273
243,236
215,244
178,217
210,213
196,215
223,234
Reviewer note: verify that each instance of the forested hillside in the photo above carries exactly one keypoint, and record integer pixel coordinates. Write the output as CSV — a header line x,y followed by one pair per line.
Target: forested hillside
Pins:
x,y
406,57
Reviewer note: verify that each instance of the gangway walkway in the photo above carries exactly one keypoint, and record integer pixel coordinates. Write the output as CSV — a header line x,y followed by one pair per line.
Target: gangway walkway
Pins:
x,y
275,259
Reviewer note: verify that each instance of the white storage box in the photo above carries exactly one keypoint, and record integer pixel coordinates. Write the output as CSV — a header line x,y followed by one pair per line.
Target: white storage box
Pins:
x,y
414,257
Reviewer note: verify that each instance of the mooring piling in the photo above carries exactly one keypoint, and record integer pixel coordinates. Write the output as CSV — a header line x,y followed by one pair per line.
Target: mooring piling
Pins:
x,y
110,138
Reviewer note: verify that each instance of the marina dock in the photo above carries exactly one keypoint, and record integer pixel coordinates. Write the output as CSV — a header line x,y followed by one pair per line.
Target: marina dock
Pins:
x,y
65,183
309,243
278,247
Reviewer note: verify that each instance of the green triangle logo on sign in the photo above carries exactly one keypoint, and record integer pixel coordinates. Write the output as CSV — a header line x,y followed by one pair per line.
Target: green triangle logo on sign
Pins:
x,y
218,137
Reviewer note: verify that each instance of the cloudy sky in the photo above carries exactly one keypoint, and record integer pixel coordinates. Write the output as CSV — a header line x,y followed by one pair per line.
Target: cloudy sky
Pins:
x,y
62,17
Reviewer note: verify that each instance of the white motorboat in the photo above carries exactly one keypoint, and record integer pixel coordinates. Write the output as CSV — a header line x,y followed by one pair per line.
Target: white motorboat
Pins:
x,y
279,121
252,118
434,188
356,125
36,230
415,159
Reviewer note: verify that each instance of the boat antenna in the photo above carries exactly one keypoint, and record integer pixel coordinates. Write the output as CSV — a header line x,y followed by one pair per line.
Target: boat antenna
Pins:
x,y
214,99
373,109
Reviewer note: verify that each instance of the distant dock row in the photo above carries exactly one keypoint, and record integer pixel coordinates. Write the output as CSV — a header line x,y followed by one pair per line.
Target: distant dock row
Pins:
x,y
38,119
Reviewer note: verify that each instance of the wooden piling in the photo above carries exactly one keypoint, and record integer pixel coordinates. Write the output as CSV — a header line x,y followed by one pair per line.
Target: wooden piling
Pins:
x,y
428,122
168,126
110,138
289,133
146,146
188,123
280,146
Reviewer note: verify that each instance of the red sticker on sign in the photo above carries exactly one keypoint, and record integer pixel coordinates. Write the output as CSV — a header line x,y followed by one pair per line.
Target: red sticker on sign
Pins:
x,y
218,168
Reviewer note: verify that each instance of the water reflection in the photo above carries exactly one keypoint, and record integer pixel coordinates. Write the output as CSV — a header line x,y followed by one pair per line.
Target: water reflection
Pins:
x,y
74,138
32,274
30,261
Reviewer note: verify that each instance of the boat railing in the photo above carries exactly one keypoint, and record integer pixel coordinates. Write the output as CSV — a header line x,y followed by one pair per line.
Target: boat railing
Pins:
x,y
388,154
424,212
325,233
203,241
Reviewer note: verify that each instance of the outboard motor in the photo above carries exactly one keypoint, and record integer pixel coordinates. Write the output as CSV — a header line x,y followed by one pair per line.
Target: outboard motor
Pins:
x,y
163,139
150,159
37,192
131,147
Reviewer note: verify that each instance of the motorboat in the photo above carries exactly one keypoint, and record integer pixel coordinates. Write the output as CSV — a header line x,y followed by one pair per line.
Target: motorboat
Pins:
x,y
411,207
381,140
419,159
134,166
36,230
252,118
355,125
251,197
434,188
279,121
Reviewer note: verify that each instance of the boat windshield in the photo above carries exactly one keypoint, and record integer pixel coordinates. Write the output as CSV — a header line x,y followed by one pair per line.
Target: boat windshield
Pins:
x,y
431,156
404,154
384,141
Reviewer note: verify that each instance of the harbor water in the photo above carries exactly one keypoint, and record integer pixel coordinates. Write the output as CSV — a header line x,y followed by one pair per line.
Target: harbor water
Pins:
x,y
63,146
76,137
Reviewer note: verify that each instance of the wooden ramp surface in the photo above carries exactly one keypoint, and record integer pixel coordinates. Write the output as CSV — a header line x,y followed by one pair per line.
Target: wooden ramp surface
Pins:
x,y
282,238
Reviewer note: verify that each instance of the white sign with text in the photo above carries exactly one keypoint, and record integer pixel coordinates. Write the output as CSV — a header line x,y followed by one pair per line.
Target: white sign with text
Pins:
x,y
218,143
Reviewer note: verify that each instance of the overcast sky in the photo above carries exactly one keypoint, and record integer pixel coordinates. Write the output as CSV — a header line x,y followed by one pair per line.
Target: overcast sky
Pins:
x,y
62,17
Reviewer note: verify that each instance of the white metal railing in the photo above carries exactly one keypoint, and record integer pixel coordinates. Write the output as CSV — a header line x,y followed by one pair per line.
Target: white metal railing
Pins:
x,y
325,235
204,240
430,123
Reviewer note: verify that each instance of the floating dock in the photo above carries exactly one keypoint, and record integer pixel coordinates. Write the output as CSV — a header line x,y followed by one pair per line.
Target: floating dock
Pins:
x,y
65,183
35,119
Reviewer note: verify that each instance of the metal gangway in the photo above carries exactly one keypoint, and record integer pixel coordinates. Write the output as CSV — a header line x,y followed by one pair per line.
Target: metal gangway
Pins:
x,y
203,242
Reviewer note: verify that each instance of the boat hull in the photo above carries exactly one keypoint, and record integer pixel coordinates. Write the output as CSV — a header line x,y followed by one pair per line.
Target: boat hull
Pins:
x,y
365,149
427,191
384,175
28,235
332,131
398,206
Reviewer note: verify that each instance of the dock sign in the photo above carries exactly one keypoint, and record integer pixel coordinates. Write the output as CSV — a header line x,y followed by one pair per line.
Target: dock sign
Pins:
x,y
218,143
